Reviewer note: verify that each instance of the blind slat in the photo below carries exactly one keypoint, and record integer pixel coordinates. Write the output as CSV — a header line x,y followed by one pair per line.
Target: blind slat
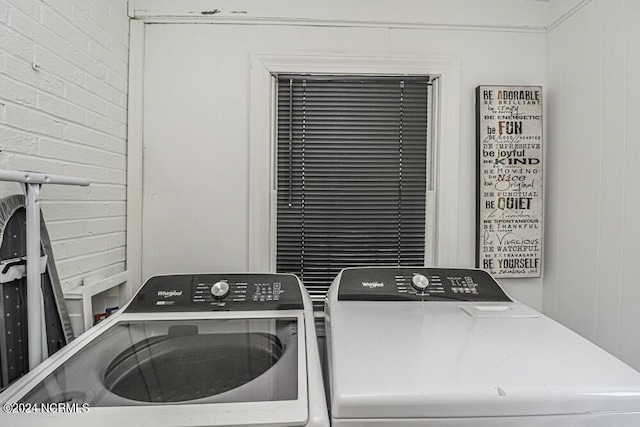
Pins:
x,y
351,174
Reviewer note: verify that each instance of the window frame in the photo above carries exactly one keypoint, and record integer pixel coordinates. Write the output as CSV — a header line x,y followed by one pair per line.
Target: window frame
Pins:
x,y
445,72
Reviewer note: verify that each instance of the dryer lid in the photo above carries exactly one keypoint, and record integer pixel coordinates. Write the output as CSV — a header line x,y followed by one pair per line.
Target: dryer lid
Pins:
x,y
393,359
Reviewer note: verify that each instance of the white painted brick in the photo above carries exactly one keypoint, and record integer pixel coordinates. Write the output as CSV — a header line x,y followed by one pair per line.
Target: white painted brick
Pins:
x,y
101,88
120,82
69,118
101,16
86,99
35,31
99,6
60,211
106,159
111,270
15,43
86,264
62,109
115,240
19,93
5,160
115,144
70,283
66,229
117,113
83,5
104,124
32,163
65,29
58,250
76,247
22,71
82,21
94,174
107,192
116,209
56,149
75,281
119,8
123,38
4,12
106,225
120,47
65,192
32,8
9,188
84,135
54,64
62,7
102,55
17,142
79,247
114,176
33,121
86,62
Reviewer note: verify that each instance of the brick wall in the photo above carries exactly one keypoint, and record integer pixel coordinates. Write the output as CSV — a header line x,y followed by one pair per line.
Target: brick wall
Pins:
x,y
63,110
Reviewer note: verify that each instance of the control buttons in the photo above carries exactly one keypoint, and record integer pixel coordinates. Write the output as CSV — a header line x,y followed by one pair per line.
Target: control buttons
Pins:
x,y
220,290
420,282
470,283
268,292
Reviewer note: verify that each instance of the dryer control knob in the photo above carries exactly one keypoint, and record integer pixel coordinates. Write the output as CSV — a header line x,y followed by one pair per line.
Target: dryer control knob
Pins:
x,y
420,282
220,290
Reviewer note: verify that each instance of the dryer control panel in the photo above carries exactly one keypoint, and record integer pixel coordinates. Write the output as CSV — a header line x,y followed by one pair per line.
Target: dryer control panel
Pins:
x,y
218,292
419,284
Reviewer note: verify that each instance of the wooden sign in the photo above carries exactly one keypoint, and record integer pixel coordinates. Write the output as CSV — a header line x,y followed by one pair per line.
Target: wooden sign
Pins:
x,y
509,207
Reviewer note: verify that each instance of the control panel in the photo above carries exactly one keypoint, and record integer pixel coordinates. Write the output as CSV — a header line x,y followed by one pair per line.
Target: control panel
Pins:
x,y
218,292
419,284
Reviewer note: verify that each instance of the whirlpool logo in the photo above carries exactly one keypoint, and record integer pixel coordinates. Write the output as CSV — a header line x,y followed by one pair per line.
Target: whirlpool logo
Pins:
x,y
372,285
169,294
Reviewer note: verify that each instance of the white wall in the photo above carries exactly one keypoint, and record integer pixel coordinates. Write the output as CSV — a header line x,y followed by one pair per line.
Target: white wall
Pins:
x,y
592,202
69,118
196,114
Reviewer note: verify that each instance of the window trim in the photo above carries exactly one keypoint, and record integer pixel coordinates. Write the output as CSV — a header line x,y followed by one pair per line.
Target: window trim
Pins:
x,y
262,202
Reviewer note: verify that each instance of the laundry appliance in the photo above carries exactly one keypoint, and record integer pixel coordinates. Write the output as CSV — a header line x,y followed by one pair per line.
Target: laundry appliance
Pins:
x,y
415,346
188,350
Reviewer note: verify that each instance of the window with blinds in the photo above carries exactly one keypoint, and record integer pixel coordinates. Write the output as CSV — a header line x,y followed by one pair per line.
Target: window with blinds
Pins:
x,y
352,174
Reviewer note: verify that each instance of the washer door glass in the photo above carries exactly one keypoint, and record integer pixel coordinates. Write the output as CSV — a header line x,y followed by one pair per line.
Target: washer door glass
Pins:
x,y
179,361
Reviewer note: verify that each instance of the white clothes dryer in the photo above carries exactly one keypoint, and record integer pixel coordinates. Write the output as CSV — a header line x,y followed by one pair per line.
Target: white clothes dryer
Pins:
x,y
447,347
188,350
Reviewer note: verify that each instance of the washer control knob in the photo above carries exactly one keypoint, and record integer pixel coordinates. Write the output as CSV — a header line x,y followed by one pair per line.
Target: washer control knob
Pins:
x,y
220,290
420,282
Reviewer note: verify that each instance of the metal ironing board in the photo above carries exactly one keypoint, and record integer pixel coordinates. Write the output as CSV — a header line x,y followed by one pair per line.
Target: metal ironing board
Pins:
x,y
35,264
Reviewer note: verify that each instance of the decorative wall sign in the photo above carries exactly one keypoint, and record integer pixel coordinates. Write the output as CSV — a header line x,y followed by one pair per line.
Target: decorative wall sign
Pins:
x,y
509,207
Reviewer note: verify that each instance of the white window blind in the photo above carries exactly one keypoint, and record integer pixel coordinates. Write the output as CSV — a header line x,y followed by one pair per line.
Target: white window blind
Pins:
x,y
351,174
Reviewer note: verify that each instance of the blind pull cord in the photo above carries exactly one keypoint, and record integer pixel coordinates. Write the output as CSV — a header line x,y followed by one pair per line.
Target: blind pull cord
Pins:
x,y
400,173
290,142
302,202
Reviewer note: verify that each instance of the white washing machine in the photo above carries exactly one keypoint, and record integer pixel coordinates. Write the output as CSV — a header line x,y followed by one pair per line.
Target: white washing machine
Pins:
x,y
188,350
447,347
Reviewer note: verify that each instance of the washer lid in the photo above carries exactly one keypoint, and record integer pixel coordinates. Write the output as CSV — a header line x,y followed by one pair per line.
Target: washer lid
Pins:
x,y
412,359
216,368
